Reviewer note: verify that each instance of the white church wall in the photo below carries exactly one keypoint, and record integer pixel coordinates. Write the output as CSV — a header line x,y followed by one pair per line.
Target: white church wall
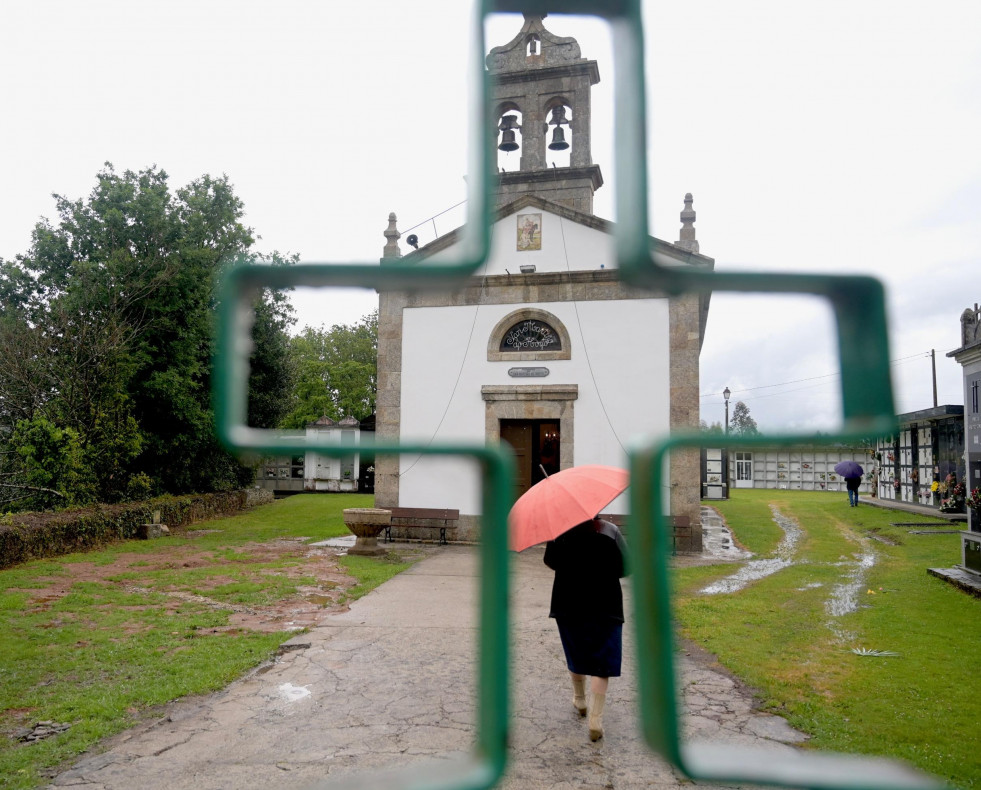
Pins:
x,y
626,391
565,246
620,361
625,373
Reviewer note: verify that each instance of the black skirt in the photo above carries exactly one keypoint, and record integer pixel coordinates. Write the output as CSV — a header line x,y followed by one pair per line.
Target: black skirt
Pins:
x,y
592,648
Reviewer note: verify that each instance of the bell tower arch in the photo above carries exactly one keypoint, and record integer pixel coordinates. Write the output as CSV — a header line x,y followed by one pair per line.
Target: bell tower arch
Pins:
x,y
546,76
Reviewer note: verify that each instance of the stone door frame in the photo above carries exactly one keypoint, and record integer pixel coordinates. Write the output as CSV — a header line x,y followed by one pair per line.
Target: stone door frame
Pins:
x,y
532,402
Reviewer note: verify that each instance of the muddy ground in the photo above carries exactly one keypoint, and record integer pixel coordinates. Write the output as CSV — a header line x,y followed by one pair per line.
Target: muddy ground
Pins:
x,y
306,608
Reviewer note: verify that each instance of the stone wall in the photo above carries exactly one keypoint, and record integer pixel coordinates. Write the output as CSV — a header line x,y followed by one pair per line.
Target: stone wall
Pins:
x,y
686,463
572,187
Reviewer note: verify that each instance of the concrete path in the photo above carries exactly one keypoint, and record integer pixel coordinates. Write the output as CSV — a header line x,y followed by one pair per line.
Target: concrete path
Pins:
x,y
911,507
390,683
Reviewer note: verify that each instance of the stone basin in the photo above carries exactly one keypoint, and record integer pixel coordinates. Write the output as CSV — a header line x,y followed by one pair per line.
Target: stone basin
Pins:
x,y
367,523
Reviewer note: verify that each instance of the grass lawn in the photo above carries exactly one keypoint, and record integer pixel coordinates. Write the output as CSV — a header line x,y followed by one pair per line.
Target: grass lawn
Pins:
x,y
785,635
96,639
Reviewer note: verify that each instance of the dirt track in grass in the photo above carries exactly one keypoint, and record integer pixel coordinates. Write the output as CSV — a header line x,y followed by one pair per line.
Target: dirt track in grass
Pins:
x,y
310,603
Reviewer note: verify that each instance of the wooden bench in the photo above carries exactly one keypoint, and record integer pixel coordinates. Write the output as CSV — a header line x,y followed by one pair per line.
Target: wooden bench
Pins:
x,y
423,518
680,526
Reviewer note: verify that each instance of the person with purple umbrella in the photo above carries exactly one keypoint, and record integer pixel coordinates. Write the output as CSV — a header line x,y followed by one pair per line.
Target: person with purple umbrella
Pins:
x,y
852,472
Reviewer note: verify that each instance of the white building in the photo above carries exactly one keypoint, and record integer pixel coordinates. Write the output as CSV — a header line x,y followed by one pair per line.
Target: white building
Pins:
x,y
313,472
544,347
800,468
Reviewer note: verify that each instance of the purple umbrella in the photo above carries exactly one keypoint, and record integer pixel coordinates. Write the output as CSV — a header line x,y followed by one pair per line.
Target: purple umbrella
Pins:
x,y
848,469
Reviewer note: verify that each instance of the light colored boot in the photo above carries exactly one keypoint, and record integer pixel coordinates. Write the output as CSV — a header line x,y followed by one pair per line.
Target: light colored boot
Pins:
x,y
579,695
596,717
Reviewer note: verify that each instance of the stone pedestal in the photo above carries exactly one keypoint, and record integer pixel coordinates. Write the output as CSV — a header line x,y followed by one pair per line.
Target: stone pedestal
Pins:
x,y
153,530
149,531
367,523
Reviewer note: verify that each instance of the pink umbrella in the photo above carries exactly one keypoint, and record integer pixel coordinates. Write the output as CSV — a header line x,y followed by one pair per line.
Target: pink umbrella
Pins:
x,y
561,501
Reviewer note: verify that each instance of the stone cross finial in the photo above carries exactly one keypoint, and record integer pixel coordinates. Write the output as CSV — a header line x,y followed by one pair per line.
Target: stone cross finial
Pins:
x,y
687,238
392,235
970,326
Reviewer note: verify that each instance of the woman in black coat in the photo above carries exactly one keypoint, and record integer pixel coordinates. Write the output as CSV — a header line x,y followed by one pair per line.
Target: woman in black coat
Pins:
x,y
587,604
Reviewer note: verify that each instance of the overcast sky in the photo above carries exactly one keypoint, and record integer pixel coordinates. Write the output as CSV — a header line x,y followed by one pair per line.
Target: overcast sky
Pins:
x,y
815,137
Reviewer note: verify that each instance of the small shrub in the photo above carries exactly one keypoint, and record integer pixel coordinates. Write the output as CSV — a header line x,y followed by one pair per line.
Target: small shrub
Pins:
x,y
139,487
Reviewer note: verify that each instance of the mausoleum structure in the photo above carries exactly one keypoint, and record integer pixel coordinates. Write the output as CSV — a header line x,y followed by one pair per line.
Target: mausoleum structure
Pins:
x,y
914,464
313,472
969,356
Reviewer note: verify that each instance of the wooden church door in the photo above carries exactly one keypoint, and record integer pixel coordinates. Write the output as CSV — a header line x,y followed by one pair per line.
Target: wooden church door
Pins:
x,y
536,445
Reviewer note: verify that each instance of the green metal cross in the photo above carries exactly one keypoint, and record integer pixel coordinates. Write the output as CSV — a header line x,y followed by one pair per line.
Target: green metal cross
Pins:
x,y
858,305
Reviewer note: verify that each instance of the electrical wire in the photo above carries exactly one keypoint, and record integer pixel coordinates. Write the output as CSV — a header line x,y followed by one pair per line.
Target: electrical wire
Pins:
x,y
912,357
433,217
456,384
589,364
768,386
473,327
786,392
466,351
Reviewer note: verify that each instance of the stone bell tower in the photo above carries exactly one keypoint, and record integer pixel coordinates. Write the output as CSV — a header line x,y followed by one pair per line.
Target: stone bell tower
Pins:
x,y
541,95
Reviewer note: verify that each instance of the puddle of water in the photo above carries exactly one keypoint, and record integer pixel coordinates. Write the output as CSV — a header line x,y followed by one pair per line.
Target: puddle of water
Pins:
x,y
322,600
760,569
342,542
844,596
717,539
753,571
293,693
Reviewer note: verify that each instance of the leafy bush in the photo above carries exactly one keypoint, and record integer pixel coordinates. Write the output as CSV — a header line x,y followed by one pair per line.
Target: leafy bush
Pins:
x,y
139,487
26,536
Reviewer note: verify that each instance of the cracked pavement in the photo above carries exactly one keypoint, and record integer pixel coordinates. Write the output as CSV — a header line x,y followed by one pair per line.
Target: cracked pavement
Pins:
x,y
391,683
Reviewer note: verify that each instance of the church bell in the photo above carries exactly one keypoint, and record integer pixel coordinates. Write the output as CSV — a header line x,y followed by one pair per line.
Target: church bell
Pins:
x,y
558,139
508,142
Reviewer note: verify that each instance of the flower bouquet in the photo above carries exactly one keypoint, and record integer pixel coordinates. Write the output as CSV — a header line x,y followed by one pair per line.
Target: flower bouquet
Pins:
x,y
973,501
954,502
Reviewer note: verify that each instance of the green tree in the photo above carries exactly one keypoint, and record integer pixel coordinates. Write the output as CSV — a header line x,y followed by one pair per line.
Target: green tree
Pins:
x,y
110,315
67,374
715,428
55,471
741,423
271,378
336,372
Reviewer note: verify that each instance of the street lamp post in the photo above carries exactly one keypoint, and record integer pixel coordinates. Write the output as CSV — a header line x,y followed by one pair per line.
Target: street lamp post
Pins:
x,y
725,394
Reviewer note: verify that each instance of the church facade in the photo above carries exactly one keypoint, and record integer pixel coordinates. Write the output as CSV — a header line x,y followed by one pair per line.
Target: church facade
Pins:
x,y
544,347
